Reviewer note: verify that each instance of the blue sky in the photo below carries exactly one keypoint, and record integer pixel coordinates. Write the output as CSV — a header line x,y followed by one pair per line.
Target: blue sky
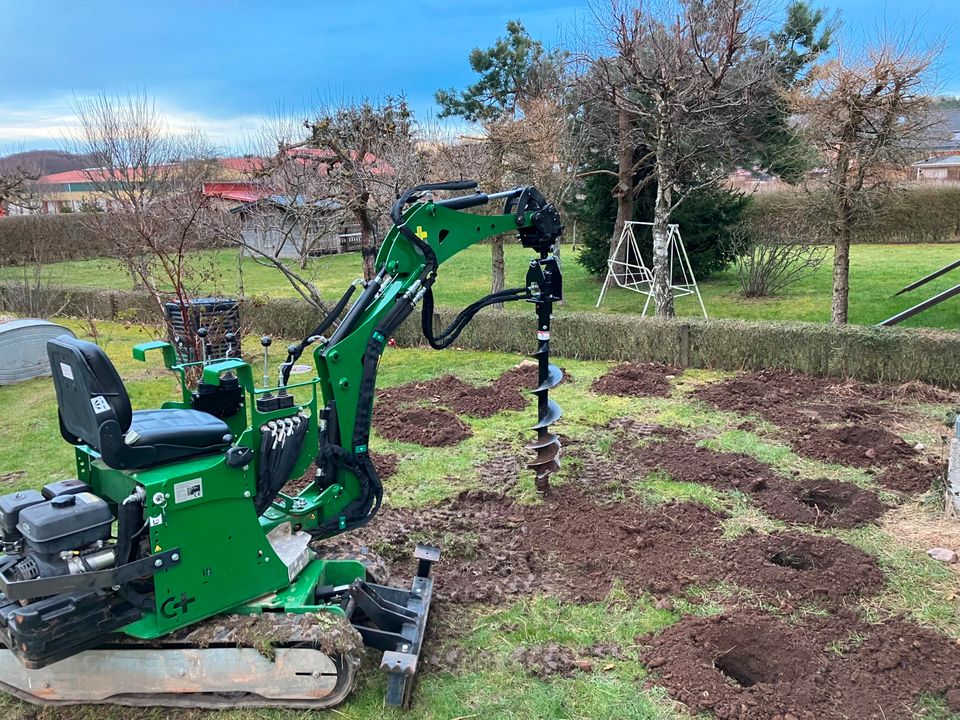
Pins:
x,y
224,66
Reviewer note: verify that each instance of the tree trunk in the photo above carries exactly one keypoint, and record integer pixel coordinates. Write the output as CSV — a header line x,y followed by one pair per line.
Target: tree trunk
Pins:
x,y
662,294
624,190
368,244
841,273
496,251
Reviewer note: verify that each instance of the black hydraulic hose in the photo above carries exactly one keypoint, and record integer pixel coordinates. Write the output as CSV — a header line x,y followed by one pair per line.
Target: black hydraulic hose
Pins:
x,y
362,303
446,337
296,351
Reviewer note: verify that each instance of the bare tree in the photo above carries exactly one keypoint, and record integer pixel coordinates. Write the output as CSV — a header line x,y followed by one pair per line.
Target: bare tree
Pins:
x,y
867,114
363,152
146,187
677,84
18,186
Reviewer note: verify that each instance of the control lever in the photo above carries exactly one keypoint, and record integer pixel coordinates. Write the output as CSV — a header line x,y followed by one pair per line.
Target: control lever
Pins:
x,y
267,402
229,338
202,334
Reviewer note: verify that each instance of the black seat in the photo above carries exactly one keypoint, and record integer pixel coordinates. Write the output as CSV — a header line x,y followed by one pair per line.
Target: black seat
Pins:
x,y
95,410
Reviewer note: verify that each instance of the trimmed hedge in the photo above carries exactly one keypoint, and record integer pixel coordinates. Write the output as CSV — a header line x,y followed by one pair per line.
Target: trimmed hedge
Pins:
x,y
912,213
49,238
862,352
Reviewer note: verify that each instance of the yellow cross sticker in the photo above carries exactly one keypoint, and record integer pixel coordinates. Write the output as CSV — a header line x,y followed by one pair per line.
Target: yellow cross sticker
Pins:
x,y
421,233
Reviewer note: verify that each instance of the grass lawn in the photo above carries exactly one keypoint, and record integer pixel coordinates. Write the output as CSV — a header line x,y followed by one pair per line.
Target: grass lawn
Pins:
x,y
491,684
877,272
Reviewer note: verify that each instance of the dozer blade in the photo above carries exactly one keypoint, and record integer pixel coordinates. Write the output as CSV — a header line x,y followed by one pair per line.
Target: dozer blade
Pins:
x,y
209,678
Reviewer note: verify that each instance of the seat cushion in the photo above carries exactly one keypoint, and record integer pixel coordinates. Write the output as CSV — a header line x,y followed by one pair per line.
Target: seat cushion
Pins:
x,y
180,428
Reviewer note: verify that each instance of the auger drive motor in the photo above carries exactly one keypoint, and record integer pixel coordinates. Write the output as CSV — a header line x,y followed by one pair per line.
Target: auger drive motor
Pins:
x,y
174,569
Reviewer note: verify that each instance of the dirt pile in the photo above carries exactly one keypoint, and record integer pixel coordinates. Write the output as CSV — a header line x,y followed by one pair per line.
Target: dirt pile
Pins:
x,y
748,665
452,393
896,662
789,399
683,460
794,567
523,377
771,394
916,476
820,503
854,446
744,665
637,380
430,427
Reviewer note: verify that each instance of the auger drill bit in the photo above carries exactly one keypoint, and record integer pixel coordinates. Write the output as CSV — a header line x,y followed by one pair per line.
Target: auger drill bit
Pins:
x,y
547,445
544,278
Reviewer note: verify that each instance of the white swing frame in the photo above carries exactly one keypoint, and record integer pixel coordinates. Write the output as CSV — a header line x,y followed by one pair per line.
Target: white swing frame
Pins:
x,y
633,274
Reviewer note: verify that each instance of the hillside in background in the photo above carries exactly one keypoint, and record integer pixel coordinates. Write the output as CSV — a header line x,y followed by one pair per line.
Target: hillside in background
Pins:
x,y
46,162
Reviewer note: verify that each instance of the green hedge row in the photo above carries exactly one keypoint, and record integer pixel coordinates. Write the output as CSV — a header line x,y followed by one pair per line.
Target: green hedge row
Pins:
x,y
49,238
865,353
913,213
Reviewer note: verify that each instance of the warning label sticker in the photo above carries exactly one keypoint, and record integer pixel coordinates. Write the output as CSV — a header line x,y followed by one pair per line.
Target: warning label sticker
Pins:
x,y
100,404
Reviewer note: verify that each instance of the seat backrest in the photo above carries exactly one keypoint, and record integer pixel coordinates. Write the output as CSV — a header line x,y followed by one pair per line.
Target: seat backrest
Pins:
x,y
89,390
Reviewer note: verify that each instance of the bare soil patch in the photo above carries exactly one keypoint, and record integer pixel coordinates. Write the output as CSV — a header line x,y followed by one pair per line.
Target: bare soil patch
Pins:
x,y
854,445
788,399
683,460
795,567
430,427
637,380
748,665
820,503
915,476
744,665
452,393
567,546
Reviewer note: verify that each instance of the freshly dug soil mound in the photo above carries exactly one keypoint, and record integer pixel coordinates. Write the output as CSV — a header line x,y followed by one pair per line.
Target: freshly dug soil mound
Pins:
x,y
430,427
855,446
682,460
523,377
821,503
451,392
795,567
911,478
567,546
385,463
790,399
749,666
897,662
771,394
743,665
636,380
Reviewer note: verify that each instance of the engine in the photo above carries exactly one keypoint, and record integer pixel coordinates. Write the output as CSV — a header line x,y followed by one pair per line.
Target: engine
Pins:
x,y
62,530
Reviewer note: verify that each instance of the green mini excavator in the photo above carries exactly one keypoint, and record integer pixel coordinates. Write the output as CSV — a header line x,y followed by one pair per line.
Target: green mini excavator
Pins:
x,y
174,570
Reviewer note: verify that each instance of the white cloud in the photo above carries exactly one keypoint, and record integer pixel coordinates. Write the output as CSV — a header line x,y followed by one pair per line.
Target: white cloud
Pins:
x,y
50,124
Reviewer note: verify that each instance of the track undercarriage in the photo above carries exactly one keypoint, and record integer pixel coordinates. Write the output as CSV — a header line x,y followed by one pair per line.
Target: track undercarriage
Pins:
x,y
270,653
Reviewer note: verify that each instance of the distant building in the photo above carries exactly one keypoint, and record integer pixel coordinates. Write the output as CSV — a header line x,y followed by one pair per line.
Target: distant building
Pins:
x,y
77,190
938,169
945,134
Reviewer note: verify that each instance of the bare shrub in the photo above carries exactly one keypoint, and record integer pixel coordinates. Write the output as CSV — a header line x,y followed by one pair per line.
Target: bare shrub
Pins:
x,y
773,255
